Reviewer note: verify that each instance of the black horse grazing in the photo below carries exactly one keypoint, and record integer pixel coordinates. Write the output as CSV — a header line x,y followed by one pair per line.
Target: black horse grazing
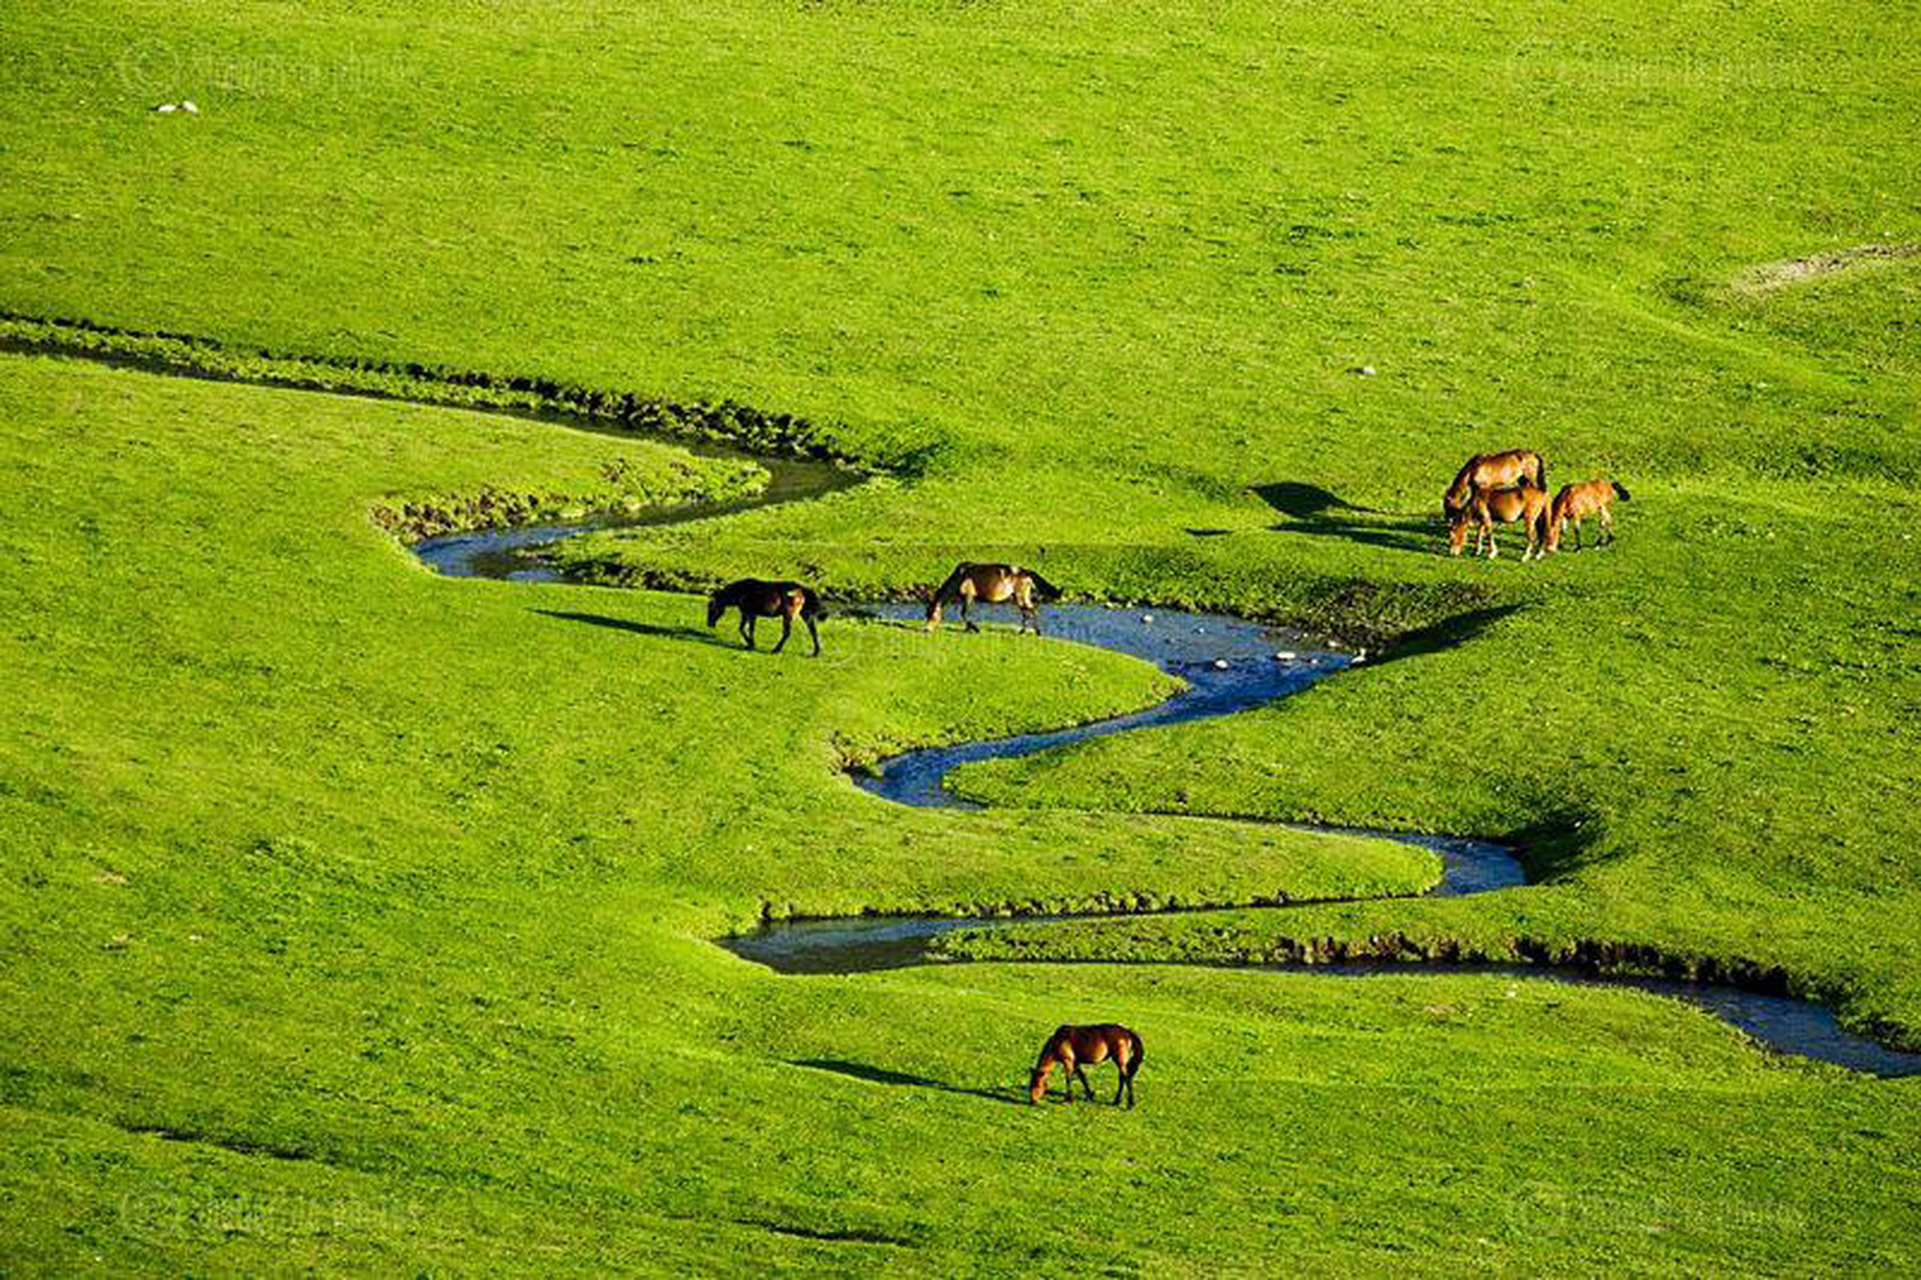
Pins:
x,y
757,599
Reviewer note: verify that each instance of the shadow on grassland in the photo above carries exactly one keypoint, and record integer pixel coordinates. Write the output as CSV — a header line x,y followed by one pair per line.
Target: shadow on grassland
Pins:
x,y
1321,513
1445,634
637,628
881,1075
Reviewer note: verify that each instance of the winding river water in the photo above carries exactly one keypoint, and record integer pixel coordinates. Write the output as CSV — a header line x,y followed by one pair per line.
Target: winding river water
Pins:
x,y
1230,665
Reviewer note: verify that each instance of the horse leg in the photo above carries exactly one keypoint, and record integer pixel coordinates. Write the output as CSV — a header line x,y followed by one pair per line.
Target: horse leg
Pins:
x,y
1080,1073
747,628
967,610
786,629
813,633
1607,523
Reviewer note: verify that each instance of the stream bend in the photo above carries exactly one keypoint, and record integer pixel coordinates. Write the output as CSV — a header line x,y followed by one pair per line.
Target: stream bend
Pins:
x,y
1230,665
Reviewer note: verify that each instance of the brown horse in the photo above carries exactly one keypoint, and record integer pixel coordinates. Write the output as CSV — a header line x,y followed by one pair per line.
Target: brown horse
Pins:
x,y
1492,471
757,599
1069,1048
991,584
1576,502
1523,502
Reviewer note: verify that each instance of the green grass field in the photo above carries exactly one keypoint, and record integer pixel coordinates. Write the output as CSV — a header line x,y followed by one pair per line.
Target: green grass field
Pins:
x,y
354,918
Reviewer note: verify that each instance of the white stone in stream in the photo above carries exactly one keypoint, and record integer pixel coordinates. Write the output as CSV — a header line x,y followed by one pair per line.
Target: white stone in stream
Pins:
x,y
1147,617
1285,655
1220,664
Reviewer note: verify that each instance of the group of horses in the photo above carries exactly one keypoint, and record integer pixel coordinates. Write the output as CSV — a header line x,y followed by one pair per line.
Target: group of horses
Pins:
x,y
1492,488
968,585
1510,486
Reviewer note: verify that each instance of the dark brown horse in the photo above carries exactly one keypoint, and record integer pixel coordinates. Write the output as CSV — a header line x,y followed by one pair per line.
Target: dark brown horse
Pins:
x,y
1523,502
1070,1048
1576,502
757,599
1492,471
991,584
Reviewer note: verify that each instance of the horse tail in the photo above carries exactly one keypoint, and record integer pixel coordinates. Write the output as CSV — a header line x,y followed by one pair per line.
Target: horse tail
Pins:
x,y
1139,1056
1540,472
1620,491
1048,591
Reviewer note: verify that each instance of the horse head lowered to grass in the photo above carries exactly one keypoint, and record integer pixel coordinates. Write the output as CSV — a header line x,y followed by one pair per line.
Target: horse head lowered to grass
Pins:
x,y
1526,503
991,584
1071,1048
757,599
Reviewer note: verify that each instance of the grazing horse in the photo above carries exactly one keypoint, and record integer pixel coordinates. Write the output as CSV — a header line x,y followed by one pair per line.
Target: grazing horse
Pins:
x,y
757,599
1069,1048
1524,502
1576,502
1492,471
991,584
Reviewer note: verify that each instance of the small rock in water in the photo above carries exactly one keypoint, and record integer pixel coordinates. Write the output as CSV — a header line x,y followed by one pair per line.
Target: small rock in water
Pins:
x,y
1220,664
1147,617
1285,655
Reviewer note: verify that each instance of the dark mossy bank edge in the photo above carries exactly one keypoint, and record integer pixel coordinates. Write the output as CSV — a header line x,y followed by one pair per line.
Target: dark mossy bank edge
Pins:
x,y
724,422
1414,948
1106,904
628,490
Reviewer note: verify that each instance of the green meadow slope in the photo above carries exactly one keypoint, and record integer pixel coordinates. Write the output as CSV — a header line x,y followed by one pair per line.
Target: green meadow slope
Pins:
x,y
352,917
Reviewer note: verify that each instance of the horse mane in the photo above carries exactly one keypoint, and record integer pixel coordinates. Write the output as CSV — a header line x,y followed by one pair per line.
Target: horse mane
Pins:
x,y
953,580
1455,499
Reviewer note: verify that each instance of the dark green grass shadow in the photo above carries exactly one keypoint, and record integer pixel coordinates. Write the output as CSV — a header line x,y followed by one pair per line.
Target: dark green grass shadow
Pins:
x,y
1299,501
1322,513
640,628
881,1075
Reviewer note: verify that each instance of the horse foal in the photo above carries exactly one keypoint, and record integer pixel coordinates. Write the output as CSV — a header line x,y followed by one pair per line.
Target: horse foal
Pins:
x,y
1522,502
1576,502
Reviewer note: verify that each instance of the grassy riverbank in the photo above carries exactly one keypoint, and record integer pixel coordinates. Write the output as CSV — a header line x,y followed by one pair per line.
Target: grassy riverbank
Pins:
x,y
356,918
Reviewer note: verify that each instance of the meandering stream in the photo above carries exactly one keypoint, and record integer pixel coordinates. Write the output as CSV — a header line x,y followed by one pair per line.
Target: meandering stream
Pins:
x,y
1230,665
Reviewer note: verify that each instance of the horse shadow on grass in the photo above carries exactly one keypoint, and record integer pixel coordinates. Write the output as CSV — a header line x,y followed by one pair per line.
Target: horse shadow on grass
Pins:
x,y
1321,513
638,628
881,1075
